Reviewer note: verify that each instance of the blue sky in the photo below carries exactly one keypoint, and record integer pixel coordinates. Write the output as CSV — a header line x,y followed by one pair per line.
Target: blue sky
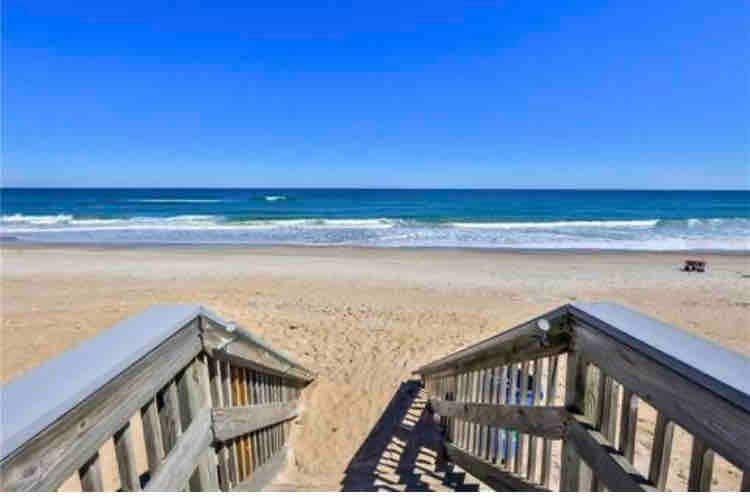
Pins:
x,y
516,94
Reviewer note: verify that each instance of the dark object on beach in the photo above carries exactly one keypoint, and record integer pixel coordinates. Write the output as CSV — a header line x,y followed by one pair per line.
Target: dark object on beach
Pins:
x,y
694,265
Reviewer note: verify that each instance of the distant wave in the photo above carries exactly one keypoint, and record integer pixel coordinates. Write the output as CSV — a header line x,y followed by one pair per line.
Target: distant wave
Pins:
x,y
651,234
178,201
275,198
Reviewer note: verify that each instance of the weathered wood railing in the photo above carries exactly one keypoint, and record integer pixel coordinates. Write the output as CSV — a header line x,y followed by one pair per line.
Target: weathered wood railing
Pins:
x,y
576,375
213,405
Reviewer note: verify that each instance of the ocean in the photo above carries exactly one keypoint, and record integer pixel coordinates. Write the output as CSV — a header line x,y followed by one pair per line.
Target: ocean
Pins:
x,y
512,219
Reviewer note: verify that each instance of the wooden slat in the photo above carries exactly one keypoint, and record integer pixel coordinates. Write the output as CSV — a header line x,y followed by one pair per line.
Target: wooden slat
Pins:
x,y
547,421
547,446
661,451
239,444
724,426
90,474
184,457
521,436
170,416
230,423
217,395
125,455
264,474
575,390
492,476
611,468
531,466
628,424
152,436
701,467
226,387
50,457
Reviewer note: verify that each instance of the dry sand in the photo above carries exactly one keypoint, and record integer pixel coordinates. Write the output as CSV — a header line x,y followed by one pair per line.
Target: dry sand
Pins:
x,y
362,319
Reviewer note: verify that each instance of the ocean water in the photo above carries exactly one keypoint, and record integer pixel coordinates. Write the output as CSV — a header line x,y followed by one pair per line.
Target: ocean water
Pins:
x,y
521,219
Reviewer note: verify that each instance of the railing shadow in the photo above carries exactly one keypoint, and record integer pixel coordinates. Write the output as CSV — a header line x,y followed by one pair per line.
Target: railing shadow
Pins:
x,y
404,450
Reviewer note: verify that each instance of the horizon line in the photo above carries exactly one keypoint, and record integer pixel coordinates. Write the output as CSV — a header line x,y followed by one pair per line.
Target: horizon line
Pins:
x,y
641,189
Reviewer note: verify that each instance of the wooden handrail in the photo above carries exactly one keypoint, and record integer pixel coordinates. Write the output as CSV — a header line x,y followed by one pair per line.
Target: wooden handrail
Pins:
x,y
179,367
488,397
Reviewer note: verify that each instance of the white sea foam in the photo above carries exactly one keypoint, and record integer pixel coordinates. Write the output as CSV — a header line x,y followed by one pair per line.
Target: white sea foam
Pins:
x,y
521,225
177,201
274,198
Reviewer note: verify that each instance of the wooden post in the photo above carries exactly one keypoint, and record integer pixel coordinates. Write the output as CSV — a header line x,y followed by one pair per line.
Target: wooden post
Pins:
x,y
91,474
125,455
169,416
531,473
521,438
661,452
575,390
547,446
152,436
628,424
701,467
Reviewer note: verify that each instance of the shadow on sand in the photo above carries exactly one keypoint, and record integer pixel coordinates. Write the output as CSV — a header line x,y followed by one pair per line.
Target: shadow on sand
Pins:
x,y
404,451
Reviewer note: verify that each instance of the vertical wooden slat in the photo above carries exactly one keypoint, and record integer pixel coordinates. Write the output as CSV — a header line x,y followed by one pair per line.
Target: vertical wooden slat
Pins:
x,y
504,434
701,467
90,474
238,443
226,387
125,456
661,451
245,401
575,391
481,433
628,424
217,395
152,436
547,445
533,441
512,435
521,438
169,416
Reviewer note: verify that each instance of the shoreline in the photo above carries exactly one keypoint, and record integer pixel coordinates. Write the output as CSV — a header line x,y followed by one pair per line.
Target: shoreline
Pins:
x,y
17,244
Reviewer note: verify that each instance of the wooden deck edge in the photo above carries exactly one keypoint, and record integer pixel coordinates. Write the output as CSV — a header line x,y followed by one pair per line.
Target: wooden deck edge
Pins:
x,y
231,422
264,475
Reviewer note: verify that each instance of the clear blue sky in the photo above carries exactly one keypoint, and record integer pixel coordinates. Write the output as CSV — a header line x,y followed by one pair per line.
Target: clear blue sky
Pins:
x,y
623,94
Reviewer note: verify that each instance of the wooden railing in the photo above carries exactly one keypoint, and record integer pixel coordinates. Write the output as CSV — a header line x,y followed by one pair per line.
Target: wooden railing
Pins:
x,y
560,395
212,405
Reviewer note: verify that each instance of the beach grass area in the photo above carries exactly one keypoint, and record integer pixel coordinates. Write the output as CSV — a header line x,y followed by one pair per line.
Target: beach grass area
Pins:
x,y
362,319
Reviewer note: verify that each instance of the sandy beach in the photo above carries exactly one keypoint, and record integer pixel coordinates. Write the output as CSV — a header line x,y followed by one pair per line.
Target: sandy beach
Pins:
x,y
362,319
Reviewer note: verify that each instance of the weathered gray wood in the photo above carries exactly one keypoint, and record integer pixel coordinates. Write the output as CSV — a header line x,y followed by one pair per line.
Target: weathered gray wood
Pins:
x,y
90,474
232,422
152,436
701,467
182,460
264,474
50,457
170,416
628,424
701,412
661,452
193,390
533,441
611,468
513,342
547,446
521,436
492,476
125,455
217,396
547,421
247,354
575,390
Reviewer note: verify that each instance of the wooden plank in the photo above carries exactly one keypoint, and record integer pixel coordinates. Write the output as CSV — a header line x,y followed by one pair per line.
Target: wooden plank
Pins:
x,y
246,356
50,457
536,395
152,436
239,444
90,474
628,424
492,476
226,387
575,391
125,455
192,390
512,343
170,416
182,460
701,467
521,436
217,395
547,421
546,472
230,423
724,426
661,452
263,475
611,468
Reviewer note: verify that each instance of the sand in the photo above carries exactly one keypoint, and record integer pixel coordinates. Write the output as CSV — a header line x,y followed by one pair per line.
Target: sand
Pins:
x,y
363,319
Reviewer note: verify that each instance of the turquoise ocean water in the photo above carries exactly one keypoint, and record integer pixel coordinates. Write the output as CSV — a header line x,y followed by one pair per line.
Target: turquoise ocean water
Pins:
x,y
528,219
